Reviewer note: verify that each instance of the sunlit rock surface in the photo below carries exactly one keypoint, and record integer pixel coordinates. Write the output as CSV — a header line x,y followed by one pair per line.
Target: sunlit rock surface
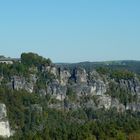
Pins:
x,y
5,131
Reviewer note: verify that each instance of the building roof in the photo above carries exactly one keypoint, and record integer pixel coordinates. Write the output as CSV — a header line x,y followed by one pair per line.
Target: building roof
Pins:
x,y
10,59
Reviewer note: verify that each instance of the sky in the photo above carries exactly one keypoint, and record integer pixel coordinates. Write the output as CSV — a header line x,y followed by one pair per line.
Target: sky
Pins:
x,y
71,30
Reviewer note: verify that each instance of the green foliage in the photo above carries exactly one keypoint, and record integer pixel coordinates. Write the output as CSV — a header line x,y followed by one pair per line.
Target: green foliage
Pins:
x,y
121,136
52,124
122,74
122,94
71,94
30,59
116,74
102,70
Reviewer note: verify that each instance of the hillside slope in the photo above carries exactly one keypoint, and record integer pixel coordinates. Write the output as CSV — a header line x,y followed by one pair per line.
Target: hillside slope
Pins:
x,y
71,101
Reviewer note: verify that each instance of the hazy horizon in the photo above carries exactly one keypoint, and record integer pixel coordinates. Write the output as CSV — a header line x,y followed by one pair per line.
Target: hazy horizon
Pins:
x,y
76,61
71,31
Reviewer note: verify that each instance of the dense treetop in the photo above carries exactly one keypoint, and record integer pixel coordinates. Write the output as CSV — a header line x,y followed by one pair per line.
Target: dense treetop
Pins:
x,y
30,59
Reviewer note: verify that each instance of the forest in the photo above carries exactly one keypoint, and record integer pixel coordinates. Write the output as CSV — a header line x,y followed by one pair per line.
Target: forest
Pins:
x,y
32,119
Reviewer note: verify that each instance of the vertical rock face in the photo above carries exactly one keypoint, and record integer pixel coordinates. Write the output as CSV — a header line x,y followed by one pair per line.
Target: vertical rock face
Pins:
x,y
53,70
132,86
5,131
81,75
104,101
56,90
82,83
50,69
19,83
133,107
3,113
33,78
99,86
64,77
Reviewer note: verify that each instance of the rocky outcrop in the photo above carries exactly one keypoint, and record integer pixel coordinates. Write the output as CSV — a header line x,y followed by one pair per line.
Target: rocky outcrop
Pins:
x,y
87,84
5,130
64,77
82,83
56,90
19,83
51,70
132,86
104,102
81,75
33,78
133,107
117,105
99,87
100,84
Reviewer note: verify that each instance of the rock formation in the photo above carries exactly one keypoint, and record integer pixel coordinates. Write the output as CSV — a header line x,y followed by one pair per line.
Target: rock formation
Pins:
x,y
5,130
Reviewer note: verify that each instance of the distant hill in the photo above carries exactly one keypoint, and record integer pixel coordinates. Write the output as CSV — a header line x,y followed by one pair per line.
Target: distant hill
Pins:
x,y
131,65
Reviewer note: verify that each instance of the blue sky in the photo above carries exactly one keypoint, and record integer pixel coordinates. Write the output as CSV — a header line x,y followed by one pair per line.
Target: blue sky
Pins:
x,y
71,30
